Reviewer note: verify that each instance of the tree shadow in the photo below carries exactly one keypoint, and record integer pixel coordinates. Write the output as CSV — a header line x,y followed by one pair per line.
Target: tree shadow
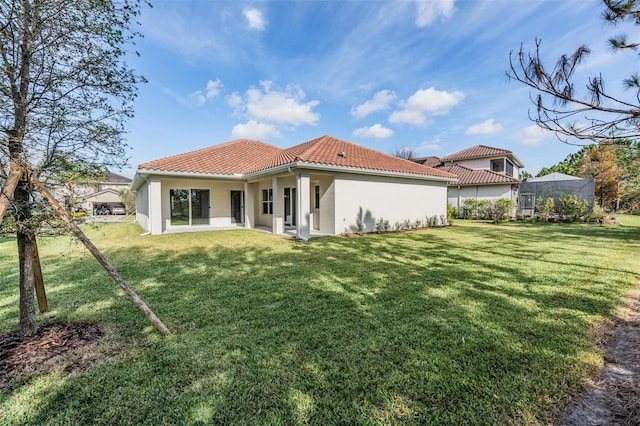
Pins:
x,y
423,327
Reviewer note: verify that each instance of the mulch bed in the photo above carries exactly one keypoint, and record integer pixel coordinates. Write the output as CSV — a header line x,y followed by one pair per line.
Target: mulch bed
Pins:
x,y
55,346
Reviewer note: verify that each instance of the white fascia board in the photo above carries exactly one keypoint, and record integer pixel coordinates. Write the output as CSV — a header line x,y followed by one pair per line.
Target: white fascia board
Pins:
x,y
484,184
144,174
343,169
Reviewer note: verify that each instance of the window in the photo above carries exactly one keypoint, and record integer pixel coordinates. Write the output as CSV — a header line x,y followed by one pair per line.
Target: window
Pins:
x,y
509,168
189,207
317,197
497,165
267,201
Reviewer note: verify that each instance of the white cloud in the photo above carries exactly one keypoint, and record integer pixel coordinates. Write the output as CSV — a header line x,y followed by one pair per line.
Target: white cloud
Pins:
x,y
408,116
212,90
234,100
380,101
282,107
430,10
374,132
534,135
425,101
254,130
254,18
433,101
428,146
487,127
270,110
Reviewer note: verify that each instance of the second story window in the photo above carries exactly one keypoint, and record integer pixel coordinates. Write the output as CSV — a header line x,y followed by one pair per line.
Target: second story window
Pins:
x,y
497,165
509,169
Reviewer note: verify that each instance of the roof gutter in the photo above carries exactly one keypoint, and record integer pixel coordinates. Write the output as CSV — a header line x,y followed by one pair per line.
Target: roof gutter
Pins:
x,y
344,169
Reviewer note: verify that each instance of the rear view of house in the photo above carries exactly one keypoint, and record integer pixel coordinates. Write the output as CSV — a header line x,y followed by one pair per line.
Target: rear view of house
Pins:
x,y
323,186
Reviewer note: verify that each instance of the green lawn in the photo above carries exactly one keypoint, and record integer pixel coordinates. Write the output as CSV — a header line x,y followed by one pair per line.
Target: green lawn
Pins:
x,y
473,324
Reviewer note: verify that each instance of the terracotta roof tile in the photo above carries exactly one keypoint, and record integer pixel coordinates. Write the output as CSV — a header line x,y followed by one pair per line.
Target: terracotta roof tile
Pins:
x,y
477,151
431,161
325,150
467,176
235,157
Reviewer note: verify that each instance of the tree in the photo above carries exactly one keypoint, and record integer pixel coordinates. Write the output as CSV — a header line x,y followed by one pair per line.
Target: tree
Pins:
x,y
595,116
569,166
600,164
65,95
404,153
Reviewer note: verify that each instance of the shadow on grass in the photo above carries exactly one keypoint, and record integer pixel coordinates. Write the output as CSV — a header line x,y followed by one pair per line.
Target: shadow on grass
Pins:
x,y
458,326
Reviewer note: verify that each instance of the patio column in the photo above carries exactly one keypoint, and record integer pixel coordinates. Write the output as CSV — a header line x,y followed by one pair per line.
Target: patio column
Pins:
x,y
249,205
303,205
277,226
155,206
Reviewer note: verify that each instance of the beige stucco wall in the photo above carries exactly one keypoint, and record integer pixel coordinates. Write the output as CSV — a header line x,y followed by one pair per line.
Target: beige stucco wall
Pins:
x,y
219,198
142,206
393,199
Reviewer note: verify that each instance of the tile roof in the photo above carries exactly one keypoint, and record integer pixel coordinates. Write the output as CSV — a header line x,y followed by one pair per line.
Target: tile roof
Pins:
x,y
477,151
109,177
245,156
467,176
235,157
431,161
326,151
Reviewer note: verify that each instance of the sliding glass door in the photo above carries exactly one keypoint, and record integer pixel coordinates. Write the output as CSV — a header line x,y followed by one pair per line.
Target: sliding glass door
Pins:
x,y
189,207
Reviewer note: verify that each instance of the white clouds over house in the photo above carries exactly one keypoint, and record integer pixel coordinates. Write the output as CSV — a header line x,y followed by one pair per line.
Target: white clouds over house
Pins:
x,y
254,18
266,109
377,131
212,90
380,101
425,101
428,11
254,130
487,127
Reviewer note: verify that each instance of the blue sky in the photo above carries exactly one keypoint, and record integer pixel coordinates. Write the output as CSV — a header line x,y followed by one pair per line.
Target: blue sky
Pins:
x,y
427,75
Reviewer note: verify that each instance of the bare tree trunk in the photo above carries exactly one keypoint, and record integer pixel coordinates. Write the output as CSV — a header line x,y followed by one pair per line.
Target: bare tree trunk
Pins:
x,y
25,255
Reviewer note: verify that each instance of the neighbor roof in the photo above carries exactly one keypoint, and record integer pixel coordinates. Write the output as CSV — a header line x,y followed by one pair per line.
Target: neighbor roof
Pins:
x,y
331,151
431,161
467,176
232,158
244,156
110,177
480,151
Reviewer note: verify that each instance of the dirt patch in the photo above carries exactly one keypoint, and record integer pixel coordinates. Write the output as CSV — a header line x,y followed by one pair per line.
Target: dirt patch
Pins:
x,y
68,347
614,397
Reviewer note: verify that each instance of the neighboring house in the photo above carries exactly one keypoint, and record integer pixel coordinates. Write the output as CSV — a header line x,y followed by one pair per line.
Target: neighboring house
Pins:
x,y
484,173
323,186
104,192
554,185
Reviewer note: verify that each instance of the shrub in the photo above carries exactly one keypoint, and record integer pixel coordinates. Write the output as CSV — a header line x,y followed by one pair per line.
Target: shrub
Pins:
x,y
546,208
452,212
572,208
500,209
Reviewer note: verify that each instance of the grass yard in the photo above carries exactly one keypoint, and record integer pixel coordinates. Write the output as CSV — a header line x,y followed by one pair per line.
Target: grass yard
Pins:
x,y
473,324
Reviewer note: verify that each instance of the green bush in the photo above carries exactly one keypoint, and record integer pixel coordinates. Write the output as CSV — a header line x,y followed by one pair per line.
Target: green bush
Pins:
x,y
546,208
572,208
500,209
